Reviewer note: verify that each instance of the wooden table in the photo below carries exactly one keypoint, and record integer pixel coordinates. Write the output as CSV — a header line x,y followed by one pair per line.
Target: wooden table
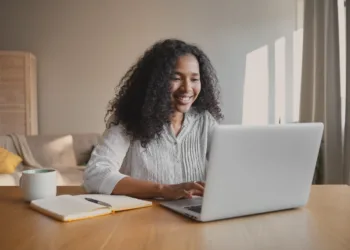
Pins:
x,y
323,224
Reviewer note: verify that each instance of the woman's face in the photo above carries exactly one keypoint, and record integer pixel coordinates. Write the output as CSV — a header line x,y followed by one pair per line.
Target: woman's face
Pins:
x,y
185,83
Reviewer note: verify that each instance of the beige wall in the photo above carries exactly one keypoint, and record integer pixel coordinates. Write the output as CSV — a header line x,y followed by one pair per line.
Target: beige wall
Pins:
x,y
84,47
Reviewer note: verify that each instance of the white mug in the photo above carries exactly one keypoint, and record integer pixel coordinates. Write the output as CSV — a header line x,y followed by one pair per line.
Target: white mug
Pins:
x,y
38,183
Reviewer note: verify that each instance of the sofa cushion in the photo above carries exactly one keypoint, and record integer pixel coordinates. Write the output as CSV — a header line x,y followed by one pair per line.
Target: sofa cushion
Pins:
x,y
10,179
7,143
83,145
54,151
8,161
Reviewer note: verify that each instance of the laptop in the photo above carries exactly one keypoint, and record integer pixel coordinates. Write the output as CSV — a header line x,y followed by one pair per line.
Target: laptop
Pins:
x,y
255,169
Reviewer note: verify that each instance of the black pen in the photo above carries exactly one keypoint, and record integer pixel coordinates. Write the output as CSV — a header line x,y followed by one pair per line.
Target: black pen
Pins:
x,y
98,202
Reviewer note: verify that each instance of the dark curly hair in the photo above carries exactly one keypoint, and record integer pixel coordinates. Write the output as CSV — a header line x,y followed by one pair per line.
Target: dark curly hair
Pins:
x,y
142,103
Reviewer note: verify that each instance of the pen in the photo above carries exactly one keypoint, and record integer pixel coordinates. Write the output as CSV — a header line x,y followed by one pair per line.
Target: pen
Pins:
x,y
98,202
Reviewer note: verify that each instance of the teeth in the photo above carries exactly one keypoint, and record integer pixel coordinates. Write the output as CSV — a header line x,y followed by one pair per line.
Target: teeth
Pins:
x,y
184,98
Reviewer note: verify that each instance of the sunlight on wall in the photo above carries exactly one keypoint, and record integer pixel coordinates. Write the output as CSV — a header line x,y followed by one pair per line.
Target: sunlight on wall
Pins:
x,y
256,88
297,63
342,53
280,80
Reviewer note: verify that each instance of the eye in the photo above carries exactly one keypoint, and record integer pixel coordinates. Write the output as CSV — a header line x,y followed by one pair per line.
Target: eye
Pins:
x,y
175,78
195,79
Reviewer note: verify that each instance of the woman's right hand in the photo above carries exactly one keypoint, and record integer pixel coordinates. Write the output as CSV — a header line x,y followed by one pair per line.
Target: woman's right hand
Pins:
x,y
182,190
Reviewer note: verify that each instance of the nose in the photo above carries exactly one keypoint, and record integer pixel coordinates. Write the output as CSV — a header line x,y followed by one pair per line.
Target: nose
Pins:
x,y
186,85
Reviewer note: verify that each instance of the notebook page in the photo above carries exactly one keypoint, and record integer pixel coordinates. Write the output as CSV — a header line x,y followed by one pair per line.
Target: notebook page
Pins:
x,y
66,205
118,202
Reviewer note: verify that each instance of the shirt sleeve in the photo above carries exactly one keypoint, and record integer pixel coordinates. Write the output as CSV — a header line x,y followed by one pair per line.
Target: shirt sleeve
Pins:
x,y
102,171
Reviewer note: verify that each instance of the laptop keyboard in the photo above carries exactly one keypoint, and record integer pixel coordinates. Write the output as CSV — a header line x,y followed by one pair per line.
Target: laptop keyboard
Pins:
x,y
196,209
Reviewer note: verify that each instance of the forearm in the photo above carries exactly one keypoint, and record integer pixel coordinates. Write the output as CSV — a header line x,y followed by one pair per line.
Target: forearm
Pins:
x,y
137,188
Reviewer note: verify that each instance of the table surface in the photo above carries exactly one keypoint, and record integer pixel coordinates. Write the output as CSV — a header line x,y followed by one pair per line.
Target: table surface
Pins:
x,y
323,224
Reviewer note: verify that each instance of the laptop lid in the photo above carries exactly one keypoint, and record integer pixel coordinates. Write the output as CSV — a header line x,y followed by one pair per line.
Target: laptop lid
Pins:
x,y
257,169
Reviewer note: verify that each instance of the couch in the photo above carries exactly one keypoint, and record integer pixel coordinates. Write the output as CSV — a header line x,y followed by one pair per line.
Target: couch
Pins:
x,y
68,154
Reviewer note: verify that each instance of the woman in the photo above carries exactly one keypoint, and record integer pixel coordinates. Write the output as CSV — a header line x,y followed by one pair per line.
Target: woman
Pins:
x,y
160,120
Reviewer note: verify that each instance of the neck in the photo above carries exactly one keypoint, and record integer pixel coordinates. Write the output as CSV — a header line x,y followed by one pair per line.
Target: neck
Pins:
x,y
176,119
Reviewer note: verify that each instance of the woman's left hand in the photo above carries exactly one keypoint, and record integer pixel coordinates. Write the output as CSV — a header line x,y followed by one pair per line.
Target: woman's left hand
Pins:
x,y
183,190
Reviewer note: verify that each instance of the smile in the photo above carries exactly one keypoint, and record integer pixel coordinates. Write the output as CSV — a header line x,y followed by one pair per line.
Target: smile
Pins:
x,y
184,99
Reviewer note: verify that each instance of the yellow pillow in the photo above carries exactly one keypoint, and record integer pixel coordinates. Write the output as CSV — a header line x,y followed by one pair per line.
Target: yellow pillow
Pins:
x,y
8,161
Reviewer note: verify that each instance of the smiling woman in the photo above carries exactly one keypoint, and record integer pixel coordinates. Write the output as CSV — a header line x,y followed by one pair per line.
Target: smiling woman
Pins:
x,y
159,126
185,87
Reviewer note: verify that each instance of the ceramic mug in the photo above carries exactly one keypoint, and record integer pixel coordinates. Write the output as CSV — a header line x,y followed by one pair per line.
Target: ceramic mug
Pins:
x,y
38,183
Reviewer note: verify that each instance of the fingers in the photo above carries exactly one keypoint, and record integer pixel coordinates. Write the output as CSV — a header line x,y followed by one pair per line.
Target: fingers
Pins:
x,y
197,192
182,194
196,186
201,183
185,190
188,194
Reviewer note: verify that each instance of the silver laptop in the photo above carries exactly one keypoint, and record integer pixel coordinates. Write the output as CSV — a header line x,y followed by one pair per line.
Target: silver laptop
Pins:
x,y
255,169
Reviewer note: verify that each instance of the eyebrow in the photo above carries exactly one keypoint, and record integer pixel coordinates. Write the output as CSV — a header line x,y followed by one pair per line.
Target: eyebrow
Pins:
x,y
179,73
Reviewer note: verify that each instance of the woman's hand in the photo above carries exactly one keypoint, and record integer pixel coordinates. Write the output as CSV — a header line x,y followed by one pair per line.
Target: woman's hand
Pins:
x,y
182,190
150,190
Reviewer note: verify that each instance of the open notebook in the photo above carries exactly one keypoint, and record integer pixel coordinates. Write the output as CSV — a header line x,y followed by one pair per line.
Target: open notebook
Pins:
x,y
76,207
